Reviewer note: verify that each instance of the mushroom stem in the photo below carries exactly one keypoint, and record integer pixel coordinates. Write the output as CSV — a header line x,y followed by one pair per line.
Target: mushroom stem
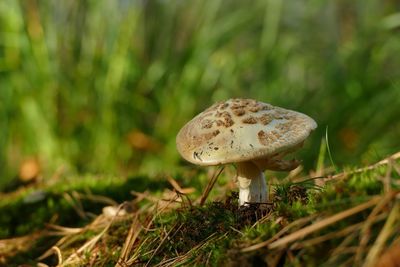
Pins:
x,y
251,183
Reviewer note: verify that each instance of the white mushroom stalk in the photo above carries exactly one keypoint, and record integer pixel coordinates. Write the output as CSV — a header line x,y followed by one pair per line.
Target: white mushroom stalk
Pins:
x,y
251,179
253,135
251,183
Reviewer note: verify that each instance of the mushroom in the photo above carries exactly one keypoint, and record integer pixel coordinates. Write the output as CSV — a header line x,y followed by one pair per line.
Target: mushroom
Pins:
x,y
255,136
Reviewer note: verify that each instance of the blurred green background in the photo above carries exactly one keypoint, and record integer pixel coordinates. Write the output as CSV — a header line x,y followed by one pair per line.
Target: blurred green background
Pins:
x,y
104,86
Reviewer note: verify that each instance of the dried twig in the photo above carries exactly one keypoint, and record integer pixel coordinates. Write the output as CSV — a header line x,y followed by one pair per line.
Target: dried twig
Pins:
x,y
178,188
11,246
366,229
336,253
57,251
75,204
210,185
323,223
343,232
179,260
300,222
162,243
360,170
133,234
88,245
97,198
383,236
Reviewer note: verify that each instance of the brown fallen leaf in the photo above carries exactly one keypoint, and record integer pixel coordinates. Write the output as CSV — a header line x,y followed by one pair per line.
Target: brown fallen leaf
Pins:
x,y
141,141
390,258
29,170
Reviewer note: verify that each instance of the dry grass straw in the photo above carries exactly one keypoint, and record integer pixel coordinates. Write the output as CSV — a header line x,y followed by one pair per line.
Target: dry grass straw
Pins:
x,y
345,174
184,258
367,253
141,221
11,246
70,235
276,241
387,231
130,253
322,224
130,240
296,224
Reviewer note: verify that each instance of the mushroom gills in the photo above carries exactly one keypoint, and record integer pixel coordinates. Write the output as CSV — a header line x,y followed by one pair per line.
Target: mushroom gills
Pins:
x,y
277,164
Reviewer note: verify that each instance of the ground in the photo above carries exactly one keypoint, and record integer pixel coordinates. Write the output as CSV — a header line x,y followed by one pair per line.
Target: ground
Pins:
x,y
346,218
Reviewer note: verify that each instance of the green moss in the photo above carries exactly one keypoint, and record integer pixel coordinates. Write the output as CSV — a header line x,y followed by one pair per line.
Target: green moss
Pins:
x,y
195,225
32,208
261,231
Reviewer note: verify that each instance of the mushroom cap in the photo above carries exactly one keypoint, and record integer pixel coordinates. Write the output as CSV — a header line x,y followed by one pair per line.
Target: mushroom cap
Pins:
x,y
239,130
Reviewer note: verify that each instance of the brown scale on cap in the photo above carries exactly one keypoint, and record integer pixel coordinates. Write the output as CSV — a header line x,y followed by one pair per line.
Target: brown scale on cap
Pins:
x,y
265,119
212,134
239,112
205,137
250,120
266,138
225,119
276,134
228,122
286,126
197,140
206,124
242,103
223,106
222,114
256,107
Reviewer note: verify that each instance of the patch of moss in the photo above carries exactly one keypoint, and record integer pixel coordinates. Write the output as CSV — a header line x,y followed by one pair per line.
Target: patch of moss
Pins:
x,y
189,227
31,209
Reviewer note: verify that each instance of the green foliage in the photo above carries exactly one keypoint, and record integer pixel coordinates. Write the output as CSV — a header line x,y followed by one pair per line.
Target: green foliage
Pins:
x,y
75,85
